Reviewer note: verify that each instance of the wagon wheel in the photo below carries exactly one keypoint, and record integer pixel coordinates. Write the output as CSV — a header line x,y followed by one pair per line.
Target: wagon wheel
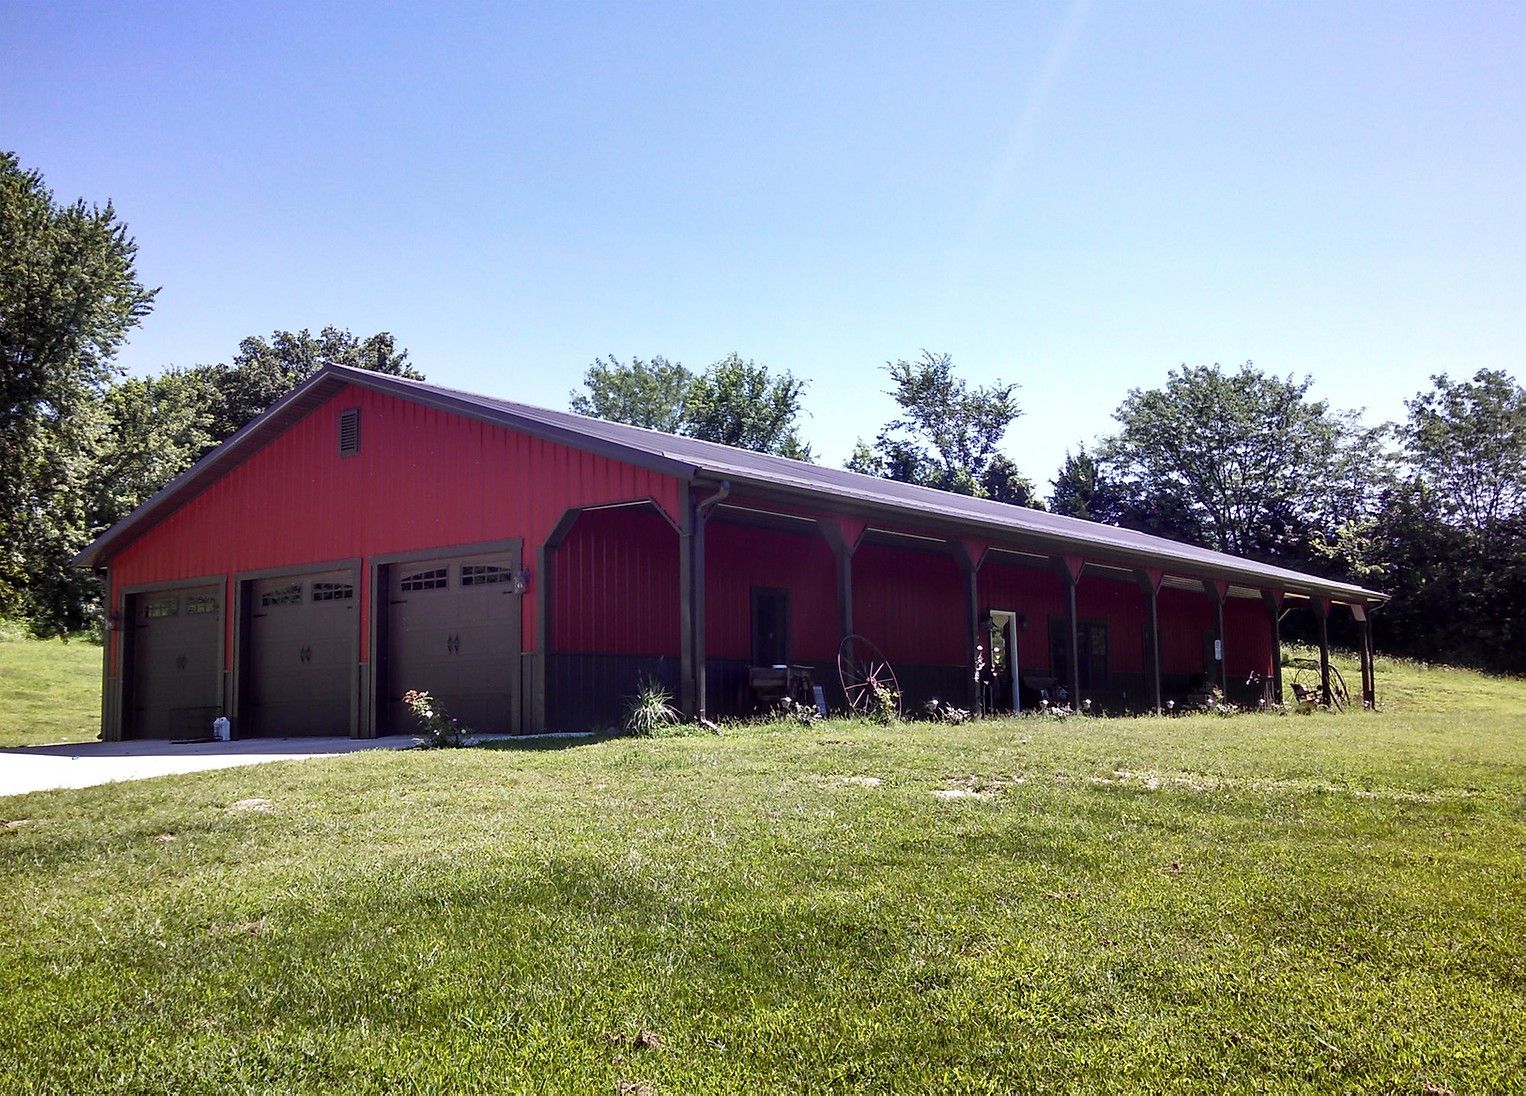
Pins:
x,y
861,668
1307,677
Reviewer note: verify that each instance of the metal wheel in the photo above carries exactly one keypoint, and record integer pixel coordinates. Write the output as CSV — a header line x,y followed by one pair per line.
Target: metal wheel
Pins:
x,y
861,668
1306,677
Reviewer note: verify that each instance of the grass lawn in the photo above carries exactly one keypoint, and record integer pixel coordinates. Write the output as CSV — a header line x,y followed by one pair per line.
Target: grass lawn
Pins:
x,y
50,691
1195,904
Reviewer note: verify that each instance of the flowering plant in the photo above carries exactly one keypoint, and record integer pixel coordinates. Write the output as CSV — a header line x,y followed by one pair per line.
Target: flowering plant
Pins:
x,y
441,729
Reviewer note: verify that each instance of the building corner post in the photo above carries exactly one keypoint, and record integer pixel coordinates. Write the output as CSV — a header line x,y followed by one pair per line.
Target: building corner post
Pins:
x,y
1070,568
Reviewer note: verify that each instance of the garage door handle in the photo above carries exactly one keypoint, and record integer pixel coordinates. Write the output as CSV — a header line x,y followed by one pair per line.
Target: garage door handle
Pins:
x,y
452,644
305,654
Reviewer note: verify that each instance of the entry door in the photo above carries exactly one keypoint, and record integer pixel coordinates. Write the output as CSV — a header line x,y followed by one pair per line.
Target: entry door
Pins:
x,y
452,630
770,627
301,655
174,681
1002,670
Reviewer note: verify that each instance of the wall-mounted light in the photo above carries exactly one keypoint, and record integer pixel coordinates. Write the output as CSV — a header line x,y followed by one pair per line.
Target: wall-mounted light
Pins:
x,y
521,581
113,621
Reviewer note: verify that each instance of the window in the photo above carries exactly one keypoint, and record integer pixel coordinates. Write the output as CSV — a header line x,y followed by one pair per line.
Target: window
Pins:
x,y
200,605
349,432
485,574
434,579
162,607
282,595
333,591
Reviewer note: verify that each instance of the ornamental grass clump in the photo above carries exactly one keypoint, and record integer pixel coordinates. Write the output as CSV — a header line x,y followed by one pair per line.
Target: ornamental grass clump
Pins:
x,y
441,729
650,710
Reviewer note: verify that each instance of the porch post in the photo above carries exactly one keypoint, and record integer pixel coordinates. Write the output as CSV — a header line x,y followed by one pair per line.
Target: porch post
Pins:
x,y
1217,591
1322,610
1273,599
688,678
1369,685
973,554
1149,581
1070,573
842,535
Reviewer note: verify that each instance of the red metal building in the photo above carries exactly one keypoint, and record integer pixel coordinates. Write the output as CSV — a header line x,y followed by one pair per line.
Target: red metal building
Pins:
x,y
369,535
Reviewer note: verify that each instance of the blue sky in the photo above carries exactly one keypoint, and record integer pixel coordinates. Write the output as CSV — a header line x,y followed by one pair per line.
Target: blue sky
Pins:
x,y
1073,196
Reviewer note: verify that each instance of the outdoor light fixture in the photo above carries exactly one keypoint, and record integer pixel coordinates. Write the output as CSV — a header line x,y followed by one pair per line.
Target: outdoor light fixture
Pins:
x,y
521,581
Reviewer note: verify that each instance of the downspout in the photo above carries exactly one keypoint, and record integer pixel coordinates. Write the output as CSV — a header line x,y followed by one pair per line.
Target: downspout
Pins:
x,y
697,575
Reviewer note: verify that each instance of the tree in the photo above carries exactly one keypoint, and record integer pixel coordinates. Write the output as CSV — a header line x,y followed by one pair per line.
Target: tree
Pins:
x,y
948,434
1247,461
1466,441
154,429
733,402
265,370
69,296
740,403
650,394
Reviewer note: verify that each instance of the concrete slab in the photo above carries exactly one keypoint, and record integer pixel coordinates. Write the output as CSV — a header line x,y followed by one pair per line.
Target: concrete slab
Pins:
x,y
83,764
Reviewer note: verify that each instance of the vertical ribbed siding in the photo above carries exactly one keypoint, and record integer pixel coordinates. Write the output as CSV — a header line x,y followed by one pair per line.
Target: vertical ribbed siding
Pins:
x,y
423,479
910,604
615,585
740,557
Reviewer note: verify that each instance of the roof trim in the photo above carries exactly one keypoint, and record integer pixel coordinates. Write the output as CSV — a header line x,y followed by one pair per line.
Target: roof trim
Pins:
x,y
761,475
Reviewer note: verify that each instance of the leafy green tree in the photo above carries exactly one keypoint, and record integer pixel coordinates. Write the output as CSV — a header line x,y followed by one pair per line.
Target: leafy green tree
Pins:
x,y
264,370
650,394
154,429
1245,461
69,296
733,402
740,403
948,434
1466,441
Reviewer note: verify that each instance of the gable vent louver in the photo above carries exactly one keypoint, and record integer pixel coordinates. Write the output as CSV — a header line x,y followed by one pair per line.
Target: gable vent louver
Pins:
x,y
349,432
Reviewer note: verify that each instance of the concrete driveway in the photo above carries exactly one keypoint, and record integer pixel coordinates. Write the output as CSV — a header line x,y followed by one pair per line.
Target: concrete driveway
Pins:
x,y
81,764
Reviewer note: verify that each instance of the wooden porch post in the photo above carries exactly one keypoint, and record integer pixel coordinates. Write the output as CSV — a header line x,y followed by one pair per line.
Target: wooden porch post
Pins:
x,y
1369,683
973,554
1070,573
1217,590
1149,581
1322,610
1273,599
688,680
842,536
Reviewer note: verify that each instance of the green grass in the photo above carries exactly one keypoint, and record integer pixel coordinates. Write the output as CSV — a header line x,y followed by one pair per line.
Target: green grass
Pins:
x,y
50,691
1196,904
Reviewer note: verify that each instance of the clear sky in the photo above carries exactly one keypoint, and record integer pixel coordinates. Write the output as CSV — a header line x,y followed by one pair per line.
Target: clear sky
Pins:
x,y
1073,196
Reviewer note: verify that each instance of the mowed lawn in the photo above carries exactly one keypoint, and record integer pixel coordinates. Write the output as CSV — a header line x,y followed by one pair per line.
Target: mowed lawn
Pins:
x,y
1193,904
50,691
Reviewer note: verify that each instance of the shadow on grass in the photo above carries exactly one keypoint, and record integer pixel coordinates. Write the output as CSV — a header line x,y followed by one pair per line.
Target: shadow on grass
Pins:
x,y
546,742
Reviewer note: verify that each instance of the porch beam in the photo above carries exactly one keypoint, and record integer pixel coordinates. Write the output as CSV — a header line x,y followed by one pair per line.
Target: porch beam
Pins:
x,y
1149,580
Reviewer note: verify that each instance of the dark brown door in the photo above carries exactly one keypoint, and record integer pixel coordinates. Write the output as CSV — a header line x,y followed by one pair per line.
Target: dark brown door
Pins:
x,y
301,655
452,631
174,681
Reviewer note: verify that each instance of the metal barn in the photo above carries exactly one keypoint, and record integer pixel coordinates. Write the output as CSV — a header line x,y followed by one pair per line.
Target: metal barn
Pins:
x,y
369,534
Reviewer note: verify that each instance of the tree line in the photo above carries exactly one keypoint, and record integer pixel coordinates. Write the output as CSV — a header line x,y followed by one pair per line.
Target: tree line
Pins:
x,y
1431,509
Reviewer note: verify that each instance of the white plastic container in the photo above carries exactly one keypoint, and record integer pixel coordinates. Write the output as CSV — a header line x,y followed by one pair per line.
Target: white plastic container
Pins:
x,y
222,730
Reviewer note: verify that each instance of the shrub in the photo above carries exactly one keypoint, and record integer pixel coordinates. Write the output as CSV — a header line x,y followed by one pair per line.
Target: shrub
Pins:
x,y
441,729
884,705
650,710
790,709
942,712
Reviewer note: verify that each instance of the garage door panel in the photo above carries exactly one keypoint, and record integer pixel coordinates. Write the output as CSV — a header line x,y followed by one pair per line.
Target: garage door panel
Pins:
x,y
175,676
302,631
453,631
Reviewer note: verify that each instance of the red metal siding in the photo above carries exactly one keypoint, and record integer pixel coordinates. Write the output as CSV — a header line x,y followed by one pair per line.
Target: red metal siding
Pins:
x,y
910,604
1247,638
739,557
1186,618
1035,593
423,479
614,585
1121,604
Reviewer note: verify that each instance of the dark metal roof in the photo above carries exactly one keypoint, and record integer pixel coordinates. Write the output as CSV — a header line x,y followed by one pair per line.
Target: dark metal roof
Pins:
x,y
1018,527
